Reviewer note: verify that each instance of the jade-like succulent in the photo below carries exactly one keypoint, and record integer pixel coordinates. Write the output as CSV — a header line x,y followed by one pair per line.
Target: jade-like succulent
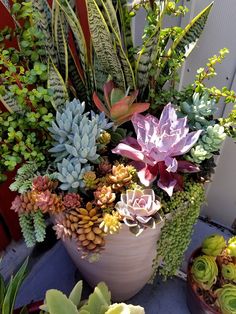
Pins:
x,y
204,271
226,299
139,209
213,245
231,248
229,271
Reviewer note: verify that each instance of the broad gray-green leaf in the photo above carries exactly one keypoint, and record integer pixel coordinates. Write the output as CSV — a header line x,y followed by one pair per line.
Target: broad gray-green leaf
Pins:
x,y
77,31
75,295
44,23
103,45
58,303
57,85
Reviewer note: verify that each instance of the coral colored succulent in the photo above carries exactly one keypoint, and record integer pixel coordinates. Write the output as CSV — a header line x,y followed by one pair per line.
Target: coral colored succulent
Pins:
x,y
49,202
138,209
104,196
118,106
43,183
72,200
120,176
25,202
213,245
158,143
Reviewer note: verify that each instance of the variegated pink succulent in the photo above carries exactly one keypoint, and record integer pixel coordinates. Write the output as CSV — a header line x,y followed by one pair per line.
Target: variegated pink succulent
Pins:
x,y
158,143
138,209
118,106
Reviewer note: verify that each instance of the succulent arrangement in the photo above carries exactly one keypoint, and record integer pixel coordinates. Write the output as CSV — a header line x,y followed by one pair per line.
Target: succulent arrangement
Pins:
x,y
213,273
98,302
147,153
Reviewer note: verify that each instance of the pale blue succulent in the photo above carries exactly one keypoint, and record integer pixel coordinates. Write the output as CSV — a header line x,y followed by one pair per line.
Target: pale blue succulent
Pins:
x,y
76,133
71,173
208,144
199,110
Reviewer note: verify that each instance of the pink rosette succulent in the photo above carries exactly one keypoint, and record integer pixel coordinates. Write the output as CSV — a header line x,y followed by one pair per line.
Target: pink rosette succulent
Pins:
x,y
158,143
139,209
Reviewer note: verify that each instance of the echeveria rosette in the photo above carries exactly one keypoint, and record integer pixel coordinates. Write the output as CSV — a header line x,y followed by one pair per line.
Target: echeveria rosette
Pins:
x,y
231,248
158,143
213,245
139,209
226,299
229,271
204,271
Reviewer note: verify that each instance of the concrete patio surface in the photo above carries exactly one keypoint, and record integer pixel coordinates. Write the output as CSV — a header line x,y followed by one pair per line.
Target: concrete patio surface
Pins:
x,y
56,270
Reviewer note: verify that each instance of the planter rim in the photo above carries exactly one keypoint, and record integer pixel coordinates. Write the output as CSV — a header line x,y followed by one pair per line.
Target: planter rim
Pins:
x,y
194,254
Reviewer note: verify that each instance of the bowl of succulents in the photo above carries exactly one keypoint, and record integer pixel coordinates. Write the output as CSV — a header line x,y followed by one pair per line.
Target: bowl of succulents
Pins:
x,y
212,277
123,176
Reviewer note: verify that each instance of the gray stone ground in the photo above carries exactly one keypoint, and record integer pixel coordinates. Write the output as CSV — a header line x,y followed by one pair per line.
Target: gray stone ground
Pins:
x,y
56,270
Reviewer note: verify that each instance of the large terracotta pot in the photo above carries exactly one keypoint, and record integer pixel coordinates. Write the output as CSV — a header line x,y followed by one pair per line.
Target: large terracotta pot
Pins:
x,y
195,303
125,264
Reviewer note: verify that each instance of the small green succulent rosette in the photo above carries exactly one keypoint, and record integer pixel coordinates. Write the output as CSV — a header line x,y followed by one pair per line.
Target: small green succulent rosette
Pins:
x,y
226,299
204,271
213,245
231,248
229,271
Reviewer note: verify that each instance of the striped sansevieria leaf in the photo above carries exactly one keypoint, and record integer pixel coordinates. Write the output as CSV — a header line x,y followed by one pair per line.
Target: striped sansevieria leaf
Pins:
x,y
9,101
103,44
77,32
187,39
44,23
57,85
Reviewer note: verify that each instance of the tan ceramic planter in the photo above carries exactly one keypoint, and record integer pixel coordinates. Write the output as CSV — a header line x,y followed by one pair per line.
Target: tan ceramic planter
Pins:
x,y
125,264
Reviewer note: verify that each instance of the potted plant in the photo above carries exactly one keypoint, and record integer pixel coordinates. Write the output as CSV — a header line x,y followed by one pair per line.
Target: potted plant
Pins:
x,y
211,283
98,302
124,185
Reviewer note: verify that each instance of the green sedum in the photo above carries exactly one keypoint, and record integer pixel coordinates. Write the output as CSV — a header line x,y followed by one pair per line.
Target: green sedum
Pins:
x,y
229,271
213,245
227,299
204,271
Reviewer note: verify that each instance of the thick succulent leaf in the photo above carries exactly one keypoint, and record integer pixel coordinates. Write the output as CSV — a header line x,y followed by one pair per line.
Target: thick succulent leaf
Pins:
x,y
12,289
187,39
75,295
77,31
103,45
58,303
98,301
100,105
144,60
57,85
60,31
44,23
9,101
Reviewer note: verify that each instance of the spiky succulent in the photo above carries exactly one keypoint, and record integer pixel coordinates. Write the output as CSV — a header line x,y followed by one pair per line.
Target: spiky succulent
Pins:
x,y
139,209
229,271
199,110
71,173
226,299
209,143
204,271
213,245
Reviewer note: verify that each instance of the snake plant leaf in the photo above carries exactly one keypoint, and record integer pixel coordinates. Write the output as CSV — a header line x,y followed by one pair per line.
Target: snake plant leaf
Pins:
x,y
12,289
44,23
103,44
108,11
100,76
57,85
77,32
75,295
58,303
8,100
60,31
98,301
188,38
125,25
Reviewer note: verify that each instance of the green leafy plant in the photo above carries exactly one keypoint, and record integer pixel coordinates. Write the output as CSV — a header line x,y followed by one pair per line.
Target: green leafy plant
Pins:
x,y
8,292
227,299
98,302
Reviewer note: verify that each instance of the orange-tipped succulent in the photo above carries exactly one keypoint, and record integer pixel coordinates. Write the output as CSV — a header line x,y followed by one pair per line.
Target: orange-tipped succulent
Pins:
x,y
119,106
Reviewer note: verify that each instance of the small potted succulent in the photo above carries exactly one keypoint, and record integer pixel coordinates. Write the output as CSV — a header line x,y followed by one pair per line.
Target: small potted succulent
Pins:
x,y
212,277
